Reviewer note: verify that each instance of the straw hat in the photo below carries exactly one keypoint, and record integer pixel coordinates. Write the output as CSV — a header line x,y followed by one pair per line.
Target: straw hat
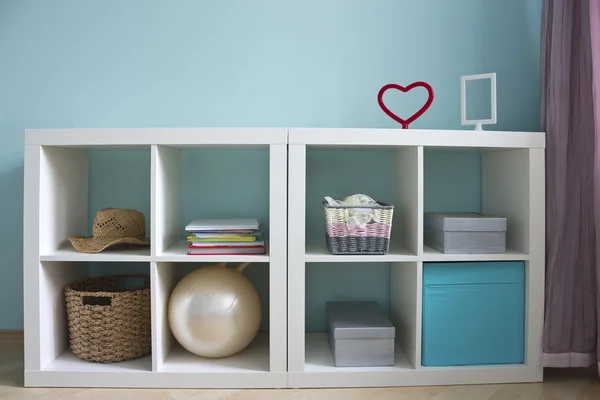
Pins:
x,y
113,226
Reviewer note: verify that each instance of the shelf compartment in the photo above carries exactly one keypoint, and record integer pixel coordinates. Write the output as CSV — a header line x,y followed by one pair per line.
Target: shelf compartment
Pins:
x,y
480,307
341,172
77,182
493,182
395,287
53,353
170,356
192,183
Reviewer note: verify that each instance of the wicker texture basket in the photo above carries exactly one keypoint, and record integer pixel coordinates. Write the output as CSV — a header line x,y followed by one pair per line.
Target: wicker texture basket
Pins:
x,y
108,321
373,238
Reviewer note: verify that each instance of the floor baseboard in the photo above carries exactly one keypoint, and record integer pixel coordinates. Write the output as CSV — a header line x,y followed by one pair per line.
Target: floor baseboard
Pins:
x,y
11,336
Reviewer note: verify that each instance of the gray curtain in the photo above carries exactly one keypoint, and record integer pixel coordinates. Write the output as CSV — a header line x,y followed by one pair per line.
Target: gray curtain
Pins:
x,y
571,331
595,46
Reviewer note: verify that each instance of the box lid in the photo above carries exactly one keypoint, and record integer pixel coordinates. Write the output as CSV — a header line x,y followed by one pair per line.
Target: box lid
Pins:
x,y
465,222
469,273
358,320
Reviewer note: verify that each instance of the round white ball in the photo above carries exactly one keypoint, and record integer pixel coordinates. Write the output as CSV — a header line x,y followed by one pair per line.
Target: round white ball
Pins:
x,y
214,312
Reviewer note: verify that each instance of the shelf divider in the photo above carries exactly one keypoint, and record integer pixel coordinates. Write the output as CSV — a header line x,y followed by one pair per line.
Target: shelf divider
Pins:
x,y
31,257
407,227
166,192
535,268
277,256
296,252
163,279
406,308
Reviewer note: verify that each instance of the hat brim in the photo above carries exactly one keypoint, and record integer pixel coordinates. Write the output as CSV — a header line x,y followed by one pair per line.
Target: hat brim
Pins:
x,y
89,245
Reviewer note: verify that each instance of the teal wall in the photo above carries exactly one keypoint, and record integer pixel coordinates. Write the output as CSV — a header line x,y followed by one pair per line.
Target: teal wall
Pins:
x,y
248,63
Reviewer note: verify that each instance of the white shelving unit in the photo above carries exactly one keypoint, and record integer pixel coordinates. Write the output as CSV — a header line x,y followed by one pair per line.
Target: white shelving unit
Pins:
x,y
57,204
57,187
512,185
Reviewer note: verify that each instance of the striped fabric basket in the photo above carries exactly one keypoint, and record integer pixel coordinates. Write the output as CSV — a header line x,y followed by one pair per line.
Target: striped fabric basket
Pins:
x,y
344,237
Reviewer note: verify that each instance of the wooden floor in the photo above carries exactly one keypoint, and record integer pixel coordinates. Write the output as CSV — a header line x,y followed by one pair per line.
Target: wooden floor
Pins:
x,y
559,385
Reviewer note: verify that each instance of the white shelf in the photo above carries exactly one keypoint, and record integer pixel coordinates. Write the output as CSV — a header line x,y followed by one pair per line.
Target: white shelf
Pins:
x,y
432,255
254,358
319,358
173,137
511,180
178,253
433,138
319,371
69,362
248,369
68,253
318,252
60,178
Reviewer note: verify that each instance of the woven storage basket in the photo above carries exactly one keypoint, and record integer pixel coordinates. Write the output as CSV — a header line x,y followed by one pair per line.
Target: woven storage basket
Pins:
x,y
108,321
374,238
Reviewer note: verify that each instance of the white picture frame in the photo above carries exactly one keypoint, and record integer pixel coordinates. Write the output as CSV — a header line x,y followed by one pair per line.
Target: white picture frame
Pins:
x,y
463,100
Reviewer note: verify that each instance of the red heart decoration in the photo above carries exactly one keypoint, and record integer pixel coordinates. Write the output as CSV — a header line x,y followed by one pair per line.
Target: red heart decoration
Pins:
x,y
403,89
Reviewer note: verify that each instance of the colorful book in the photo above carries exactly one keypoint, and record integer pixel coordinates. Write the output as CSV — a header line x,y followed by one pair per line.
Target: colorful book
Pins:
x,y
226,250
224,234
234,239
227,244
222,224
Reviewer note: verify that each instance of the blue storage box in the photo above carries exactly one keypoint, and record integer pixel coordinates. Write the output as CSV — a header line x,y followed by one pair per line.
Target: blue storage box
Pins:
x,y
473,313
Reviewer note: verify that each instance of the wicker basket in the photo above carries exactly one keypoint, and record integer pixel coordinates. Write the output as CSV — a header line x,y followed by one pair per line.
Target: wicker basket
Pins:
x,y
108,321
374,238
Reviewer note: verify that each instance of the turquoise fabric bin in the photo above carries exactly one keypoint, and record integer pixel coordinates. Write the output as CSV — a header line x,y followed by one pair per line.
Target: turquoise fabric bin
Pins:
x,y
473,313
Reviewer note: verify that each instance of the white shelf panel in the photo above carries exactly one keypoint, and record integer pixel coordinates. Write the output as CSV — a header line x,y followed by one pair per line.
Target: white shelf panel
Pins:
x,y
247,369
432,255
178,253
318,252
112,138
254,358
319,358
158,380
344,137
319,371
69,362
68,253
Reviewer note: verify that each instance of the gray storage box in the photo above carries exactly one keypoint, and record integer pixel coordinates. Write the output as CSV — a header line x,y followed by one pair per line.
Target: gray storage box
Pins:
x,y
360,334
468,233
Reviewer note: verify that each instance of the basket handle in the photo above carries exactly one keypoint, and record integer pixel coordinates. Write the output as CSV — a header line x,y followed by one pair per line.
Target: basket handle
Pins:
x,y
102,301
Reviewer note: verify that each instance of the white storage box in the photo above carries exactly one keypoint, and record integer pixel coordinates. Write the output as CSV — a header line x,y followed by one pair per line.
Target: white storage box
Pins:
x,y
465,233
360,334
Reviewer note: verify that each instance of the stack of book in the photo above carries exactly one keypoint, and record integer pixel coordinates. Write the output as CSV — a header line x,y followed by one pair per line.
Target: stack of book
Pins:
x,y
225,236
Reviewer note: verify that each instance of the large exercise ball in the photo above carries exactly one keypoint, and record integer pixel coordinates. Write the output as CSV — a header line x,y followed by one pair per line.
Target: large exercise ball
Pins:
x,y
214,311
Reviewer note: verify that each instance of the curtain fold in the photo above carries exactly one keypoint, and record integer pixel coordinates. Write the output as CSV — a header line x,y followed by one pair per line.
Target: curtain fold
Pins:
x,y
595,49
567,116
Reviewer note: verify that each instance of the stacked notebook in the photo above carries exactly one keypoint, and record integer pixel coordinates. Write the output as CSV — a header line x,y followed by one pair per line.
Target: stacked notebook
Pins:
x,y
225,236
